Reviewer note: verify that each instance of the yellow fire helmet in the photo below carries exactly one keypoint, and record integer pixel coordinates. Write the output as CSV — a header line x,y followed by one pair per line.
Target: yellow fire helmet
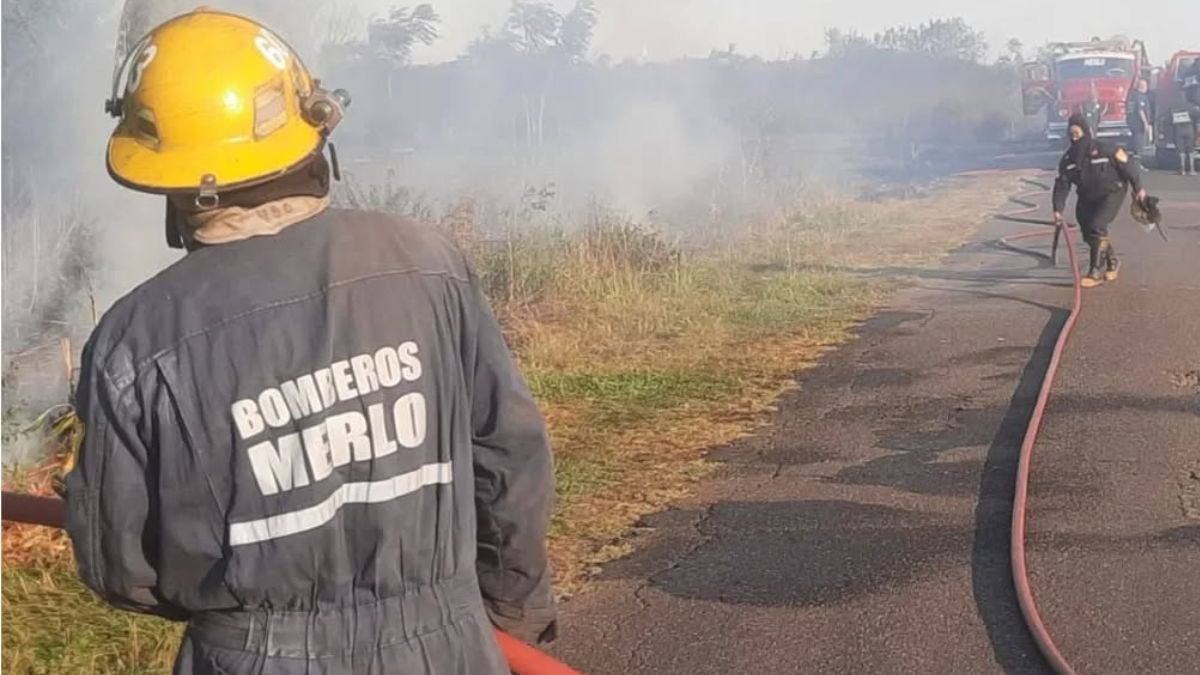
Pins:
x,y
213,102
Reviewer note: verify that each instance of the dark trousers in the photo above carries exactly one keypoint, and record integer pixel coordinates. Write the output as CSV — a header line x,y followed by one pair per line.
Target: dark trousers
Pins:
x,y
1185,145
1138,142
1094,215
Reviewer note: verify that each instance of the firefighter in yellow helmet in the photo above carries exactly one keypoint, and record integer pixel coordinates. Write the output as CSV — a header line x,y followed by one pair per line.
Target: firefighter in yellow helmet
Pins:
x,y
205,124
307,438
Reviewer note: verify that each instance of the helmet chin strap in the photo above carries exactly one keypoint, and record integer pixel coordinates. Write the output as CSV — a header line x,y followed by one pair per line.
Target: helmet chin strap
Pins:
x,y
334,167
172,222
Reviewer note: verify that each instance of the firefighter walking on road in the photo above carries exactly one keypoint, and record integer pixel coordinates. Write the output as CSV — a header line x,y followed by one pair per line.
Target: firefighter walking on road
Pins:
x,y
1100,176
306,438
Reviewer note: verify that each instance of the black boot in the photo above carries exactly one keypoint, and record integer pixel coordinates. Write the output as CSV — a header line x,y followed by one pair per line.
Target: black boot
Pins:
x,y
1112,264
1095,275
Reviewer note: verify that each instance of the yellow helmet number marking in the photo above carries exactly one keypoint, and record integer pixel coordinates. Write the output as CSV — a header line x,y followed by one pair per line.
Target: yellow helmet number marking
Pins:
x,y
272,49
143,60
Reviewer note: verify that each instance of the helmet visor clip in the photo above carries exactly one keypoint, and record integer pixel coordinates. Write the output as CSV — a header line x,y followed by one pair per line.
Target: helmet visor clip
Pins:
x,y
208,197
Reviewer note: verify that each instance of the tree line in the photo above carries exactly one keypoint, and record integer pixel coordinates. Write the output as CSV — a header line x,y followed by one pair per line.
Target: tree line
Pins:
x,y
534,80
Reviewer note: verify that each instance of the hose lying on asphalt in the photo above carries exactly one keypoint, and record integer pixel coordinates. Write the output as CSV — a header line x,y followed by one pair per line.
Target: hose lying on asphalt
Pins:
x,y
48,511
1022,200
526,660
1020,572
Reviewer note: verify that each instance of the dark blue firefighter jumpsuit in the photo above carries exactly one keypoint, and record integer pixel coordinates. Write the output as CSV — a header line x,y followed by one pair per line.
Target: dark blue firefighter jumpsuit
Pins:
x,y
314,447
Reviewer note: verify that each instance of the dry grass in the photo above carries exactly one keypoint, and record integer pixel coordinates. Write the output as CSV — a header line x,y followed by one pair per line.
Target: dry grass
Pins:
x,y
30,546
661,356
641,356
52,625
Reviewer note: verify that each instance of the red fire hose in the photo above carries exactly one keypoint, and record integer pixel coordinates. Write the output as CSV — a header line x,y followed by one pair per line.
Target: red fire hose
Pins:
x,y
526,660
48,511
1037,628
33,510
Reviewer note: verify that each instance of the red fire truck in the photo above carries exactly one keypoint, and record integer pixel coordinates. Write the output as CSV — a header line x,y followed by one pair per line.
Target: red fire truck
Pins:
x,y
1092,78
1170,101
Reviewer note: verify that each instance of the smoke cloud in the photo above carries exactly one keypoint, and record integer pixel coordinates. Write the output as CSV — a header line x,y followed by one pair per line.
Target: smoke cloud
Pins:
x,y
608,113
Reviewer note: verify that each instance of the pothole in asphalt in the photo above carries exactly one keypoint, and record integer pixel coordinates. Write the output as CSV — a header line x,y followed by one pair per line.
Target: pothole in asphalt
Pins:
x,y
1185,378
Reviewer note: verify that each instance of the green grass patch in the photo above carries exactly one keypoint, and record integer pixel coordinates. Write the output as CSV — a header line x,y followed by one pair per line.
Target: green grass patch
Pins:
x,y
578,475
796,300
613,397
53,625
608,404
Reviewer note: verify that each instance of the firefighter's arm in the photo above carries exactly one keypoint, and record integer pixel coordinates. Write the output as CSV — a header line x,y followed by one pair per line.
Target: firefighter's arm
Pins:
x,y
108,505
514,482
1128,171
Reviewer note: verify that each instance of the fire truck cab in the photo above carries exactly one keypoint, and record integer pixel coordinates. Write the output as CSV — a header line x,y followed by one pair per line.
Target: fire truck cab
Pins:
x,y
1093,78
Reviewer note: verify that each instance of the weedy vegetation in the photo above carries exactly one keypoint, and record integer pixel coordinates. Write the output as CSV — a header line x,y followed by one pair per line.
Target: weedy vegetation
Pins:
x,y
657,320
642,352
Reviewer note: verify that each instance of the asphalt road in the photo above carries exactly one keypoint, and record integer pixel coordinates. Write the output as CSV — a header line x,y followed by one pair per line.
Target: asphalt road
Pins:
x,y
1115,504
866,530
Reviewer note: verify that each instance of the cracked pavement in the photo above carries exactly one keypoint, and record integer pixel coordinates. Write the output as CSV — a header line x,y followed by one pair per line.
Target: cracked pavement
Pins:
x,y
866,529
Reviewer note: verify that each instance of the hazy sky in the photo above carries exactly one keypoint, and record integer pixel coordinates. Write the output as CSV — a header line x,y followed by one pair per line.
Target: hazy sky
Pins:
x,y
668,28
